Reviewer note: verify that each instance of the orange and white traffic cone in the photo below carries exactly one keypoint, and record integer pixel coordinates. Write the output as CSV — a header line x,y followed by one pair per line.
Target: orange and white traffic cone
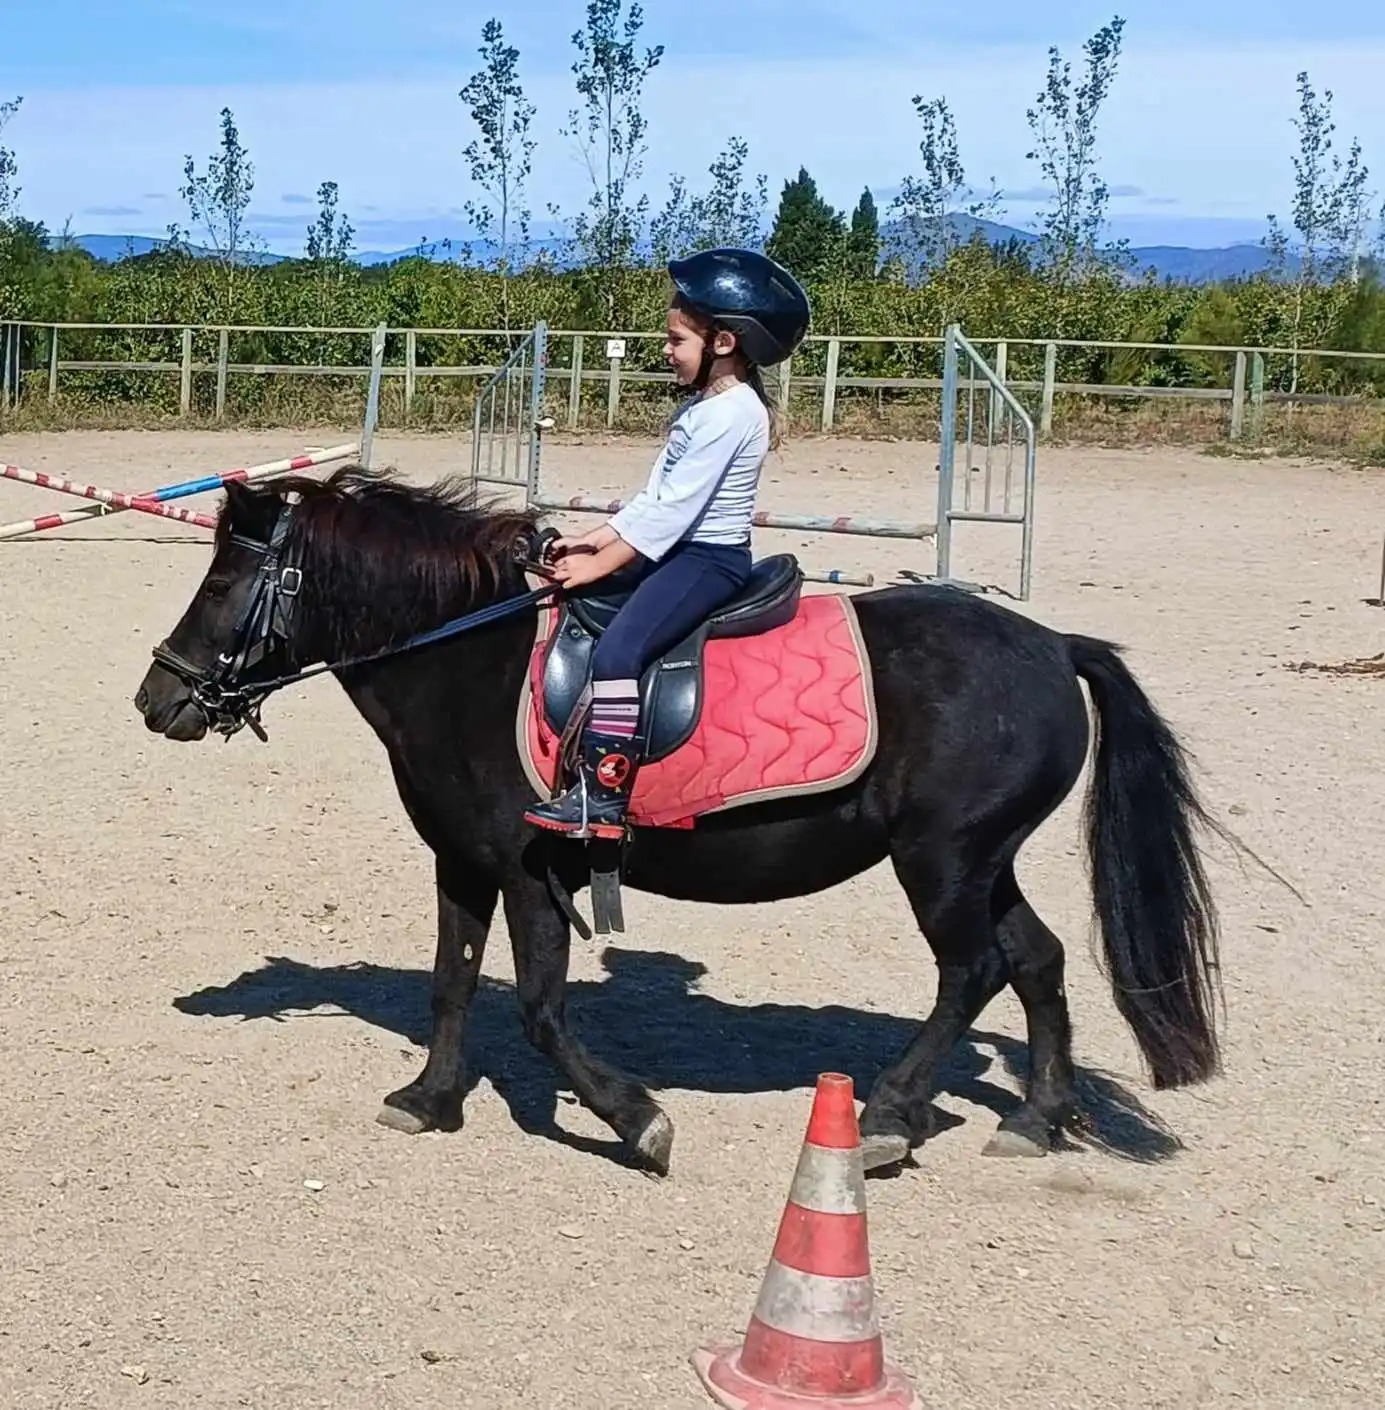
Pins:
x,y
814,1338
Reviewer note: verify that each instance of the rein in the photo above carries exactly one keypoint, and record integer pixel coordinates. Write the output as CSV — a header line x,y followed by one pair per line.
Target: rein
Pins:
x,y
257,692
230,705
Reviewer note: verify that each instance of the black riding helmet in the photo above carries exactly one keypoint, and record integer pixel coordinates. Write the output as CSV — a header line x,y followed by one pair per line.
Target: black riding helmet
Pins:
x,y
747,294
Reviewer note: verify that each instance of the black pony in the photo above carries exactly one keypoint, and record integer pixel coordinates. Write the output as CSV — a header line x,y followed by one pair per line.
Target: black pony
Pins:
x,y
983,731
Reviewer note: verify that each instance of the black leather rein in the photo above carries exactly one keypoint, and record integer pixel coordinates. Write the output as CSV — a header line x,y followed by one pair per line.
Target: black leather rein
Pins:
x,y
229,703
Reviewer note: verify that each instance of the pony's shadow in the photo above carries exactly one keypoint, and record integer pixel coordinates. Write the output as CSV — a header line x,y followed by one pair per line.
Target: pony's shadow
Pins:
x,y
647,1018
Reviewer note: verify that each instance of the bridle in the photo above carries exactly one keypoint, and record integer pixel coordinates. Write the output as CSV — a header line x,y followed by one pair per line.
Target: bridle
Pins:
x,y
266,624
227,701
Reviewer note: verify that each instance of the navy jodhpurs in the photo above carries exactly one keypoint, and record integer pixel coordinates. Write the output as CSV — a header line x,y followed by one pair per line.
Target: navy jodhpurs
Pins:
x,y
674,596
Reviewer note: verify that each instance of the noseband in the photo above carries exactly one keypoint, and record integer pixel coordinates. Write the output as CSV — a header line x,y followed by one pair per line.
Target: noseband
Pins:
x,y
226,700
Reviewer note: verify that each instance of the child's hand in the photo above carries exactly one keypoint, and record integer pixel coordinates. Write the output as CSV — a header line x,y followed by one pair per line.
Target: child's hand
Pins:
x,y
578,569
582,565
562,547
600,538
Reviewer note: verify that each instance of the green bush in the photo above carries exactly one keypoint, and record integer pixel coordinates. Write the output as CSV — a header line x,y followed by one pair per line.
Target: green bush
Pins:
x,y
991,293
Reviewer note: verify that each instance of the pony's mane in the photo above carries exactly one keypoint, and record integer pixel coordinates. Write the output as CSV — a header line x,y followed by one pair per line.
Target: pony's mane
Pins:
x,y
384,559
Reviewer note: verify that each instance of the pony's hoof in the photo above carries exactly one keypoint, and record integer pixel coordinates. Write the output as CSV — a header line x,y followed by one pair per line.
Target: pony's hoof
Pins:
x,y
881,1150
397,1119
1014,1145
416,1108
655,1143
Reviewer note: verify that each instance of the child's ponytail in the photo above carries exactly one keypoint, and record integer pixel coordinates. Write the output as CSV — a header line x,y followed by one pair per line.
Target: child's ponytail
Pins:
x,y
756,378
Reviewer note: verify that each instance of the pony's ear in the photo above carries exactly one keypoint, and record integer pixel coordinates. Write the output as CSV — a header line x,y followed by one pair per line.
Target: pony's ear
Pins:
x,y
238,497
249,510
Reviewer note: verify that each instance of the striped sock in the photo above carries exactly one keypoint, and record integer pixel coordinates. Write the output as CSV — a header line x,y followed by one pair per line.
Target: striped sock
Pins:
x,y
615,708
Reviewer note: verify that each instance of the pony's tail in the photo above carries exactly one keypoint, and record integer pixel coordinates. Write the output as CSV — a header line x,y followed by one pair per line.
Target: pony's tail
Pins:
x,y
1158,920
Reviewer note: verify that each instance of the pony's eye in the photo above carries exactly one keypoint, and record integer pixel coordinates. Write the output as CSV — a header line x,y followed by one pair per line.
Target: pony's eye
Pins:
x,y
216,588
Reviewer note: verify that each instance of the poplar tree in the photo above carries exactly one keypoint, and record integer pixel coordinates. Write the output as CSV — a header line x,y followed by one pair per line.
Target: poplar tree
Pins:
x,y
500,157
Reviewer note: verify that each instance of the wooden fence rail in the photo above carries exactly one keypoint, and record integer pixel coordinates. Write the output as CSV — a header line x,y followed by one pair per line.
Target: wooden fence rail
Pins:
x,y
1245,391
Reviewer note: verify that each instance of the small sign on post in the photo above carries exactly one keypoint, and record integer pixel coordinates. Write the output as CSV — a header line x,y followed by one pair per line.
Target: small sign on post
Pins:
x,y
615,347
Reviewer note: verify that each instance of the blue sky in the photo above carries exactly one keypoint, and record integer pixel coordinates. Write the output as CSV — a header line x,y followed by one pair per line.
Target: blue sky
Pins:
x,y
1196,136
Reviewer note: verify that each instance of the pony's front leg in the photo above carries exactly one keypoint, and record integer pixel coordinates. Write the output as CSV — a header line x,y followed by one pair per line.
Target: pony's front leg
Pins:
x,y
540,935
433,1100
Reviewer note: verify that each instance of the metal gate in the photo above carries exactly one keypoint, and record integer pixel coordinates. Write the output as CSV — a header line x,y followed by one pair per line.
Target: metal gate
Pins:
x,y
996,434
508,422
999,456
11,375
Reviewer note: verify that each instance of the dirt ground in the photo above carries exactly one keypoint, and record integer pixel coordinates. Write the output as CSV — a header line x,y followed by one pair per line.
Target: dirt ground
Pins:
x,y
215,962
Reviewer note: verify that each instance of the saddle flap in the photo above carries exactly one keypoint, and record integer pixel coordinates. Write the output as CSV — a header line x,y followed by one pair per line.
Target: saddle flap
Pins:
x,y
671,688
567,667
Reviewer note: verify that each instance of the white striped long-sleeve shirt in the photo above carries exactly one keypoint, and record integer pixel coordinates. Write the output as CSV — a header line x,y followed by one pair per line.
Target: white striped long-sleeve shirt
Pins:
x,y
703,484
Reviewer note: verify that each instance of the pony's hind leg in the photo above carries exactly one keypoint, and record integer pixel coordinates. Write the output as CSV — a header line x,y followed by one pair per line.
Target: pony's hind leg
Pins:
x,y
954,913
1036,962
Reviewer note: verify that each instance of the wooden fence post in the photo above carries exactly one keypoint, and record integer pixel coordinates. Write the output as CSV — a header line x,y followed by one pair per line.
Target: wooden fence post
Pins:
x,y
829,385
1238,397
185,382
7,372
574,389
410,370
53,363
1002,361
613,394
1257,396
1050,381
223,360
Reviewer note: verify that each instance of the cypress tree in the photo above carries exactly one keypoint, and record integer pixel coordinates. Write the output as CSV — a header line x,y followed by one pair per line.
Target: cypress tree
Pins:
x,y
808,233
863,244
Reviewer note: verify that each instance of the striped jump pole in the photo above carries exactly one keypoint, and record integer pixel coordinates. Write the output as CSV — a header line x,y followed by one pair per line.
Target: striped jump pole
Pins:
x,y
814,1337
106,497
155,501
813,523
809,523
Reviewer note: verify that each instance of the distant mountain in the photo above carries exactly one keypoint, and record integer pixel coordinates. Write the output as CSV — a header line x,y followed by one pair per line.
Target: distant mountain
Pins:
x,y
472,251
1176,262
1189,266
1180,263
965,226
112,248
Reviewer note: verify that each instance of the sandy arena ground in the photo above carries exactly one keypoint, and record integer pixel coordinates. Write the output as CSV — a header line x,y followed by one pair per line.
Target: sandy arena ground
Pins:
x,y
215,963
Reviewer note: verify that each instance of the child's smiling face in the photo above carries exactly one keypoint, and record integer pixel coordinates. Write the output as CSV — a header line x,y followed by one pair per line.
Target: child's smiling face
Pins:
x,y
684,344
